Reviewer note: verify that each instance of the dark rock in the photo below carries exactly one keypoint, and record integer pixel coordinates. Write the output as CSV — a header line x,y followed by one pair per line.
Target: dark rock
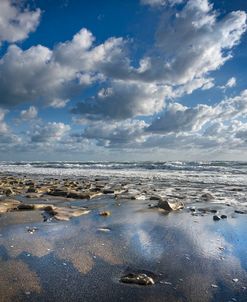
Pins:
x,y
105,213
25,207
207,196
216,218
140,279
240,212
108,191
223,216
155,197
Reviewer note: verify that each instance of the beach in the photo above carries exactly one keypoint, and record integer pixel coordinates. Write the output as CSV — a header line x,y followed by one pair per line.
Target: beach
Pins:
x,y
123,232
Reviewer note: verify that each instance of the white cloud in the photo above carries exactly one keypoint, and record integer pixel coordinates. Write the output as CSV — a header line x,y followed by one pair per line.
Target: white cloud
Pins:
x,y
3,125
54,76
178,118
192,42
160,2
232,82
29,114
49,133
114,134
16,23
123,100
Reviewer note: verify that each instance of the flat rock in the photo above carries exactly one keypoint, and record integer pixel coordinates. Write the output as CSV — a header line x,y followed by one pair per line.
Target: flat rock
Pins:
x,y
8,205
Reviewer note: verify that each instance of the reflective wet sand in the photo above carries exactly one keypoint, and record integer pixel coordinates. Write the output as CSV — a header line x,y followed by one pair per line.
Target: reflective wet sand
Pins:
x,y
192,257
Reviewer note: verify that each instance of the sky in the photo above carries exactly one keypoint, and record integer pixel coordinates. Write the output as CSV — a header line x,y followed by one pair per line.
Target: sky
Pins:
x,y
123,80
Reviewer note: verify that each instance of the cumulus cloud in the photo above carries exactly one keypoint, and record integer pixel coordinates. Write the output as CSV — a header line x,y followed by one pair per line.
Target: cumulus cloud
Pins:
x,y
16,23
123,100
54,76
179,118
114,134
49,133
29,114
192,42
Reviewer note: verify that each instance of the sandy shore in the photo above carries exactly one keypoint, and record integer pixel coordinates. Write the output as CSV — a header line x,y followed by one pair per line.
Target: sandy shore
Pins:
x,y
73,240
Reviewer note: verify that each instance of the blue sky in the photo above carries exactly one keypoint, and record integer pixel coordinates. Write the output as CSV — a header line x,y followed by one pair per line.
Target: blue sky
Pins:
x,y
123,80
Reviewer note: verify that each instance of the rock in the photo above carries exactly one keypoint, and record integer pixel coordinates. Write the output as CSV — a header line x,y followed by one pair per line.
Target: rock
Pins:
x,y
223,216
25,207
105,213
8,205
8,191
140,279
240,212
108,191
155,197
31,190
168,206
63,213
58,192
216,218
207,197
78,195
214,285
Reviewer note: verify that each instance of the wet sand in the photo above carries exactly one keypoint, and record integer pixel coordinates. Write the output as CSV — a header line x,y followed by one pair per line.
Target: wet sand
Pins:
x,y
190,256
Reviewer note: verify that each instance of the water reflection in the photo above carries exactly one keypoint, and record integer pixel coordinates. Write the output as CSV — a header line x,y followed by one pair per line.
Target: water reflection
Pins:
x,y
67,260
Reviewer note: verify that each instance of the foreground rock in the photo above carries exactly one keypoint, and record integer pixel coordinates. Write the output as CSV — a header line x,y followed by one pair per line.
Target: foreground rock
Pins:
x,y
170,206
63,213
8,205
140,279
49,211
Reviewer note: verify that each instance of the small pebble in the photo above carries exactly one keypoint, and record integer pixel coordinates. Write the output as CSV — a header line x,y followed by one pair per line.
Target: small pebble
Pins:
x,y
235,280
223,216
105,213
214,285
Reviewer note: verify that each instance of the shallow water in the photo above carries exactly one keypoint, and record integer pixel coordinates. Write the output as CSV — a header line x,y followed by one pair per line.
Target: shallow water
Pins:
x,y
75,261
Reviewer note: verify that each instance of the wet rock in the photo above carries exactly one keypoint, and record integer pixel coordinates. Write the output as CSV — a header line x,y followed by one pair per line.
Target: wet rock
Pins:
x,y
8,191
31,190
108,191
240,212
59,192
63,213
78,195
207,210
105,213
8,205
140,279
155,197
223,216
216,218
25,207
170,206
207,197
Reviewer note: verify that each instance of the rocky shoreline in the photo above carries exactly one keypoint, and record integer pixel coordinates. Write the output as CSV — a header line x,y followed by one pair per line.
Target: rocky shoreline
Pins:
x,y
113,209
